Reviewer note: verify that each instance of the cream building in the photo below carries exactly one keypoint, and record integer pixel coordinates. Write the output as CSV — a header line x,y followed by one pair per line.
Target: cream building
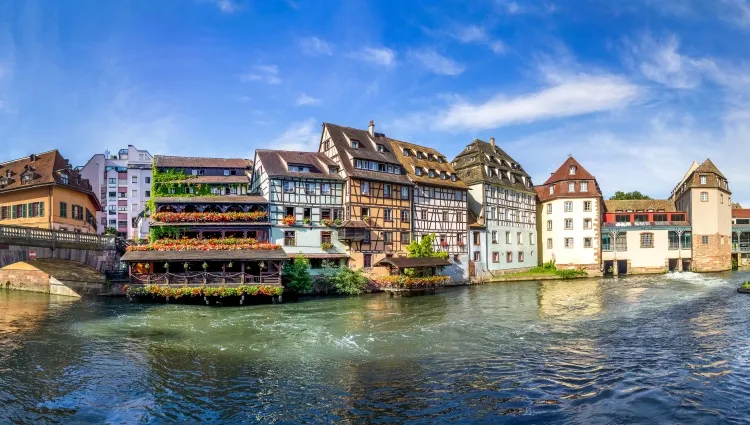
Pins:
x,y
570,208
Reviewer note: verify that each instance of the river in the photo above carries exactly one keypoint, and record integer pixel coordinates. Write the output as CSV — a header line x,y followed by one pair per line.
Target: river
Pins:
x,y
658,349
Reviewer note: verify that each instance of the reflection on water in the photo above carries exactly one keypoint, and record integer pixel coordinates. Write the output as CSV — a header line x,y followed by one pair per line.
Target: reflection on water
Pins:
x,y
654,349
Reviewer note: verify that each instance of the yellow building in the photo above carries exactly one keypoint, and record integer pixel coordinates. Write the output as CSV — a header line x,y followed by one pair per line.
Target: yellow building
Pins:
x,y
42,190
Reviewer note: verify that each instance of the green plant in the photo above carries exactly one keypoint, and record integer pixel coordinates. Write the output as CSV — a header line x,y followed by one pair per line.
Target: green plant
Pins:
x,y
745,285
306,221
325,246
163,232
347,281
296,275
571,274
735,264
110,231
205,266
337,222
425,248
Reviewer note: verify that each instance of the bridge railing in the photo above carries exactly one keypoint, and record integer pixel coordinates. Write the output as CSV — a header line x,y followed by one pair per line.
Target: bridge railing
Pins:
x,y
50,238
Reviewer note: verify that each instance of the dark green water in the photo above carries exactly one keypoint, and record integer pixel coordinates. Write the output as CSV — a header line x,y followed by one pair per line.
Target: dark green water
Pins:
x,y
664,349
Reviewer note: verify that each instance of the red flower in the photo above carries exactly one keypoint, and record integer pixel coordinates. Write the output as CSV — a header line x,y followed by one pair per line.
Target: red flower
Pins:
x,y
208,217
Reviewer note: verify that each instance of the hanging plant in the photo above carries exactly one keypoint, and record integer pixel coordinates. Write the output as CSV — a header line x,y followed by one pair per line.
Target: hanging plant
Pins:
x,y
166,266
147,266
307,221
230,264
186,265
205,266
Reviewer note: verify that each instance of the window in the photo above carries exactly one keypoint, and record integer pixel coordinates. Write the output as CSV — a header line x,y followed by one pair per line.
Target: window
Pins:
x,y
704,196
134,193
587,223
460,217
423,214
290,212
477,238
494,236
621,242
77,211
290,238
112,180
549,243
704,179
64,178
355,144
122,223
674,240
520,256
568,242
687,240
367,258
113,194
584,187
622,218
647,240
453,177
148,193
307,214
310,188
509,257
549,224
420,155
367,237
364,212
404,192
134,179
325,214
338,214
404,215
405,238
458,195
519,238
406,152
325,237
678,217
606,242
568,206
418,171
721,198
388,237
572,170
495,257
36,209
704,240
477,256
507,237
549,208
365,188
587,242
288,187
387,192
443,175
587,206
388,214
571,187
445,216
325,188
568,224
147,180
381,148
113,223
660,217
134,207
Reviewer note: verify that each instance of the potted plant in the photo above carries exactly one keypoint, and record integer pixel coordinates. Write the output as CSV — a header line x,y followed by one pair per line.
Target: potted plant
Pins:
x,y
205,266
289,220
306,221
325,246
444,244
337,222
186,266
325,222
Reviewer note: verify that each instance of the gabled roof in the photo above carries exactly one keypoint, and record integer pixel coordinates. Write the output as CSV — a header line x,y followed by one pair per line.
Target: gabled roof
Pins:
x,y
412,161
740,213
46,168
714,179
560,179
166,161
666,205
472,163
276,164
368,150
563,173
708,167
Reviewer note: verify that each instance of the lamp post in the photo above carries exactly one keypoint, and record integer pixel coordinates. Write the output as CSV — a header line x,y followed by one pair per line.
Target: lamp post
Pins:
x,y
679,248
614,234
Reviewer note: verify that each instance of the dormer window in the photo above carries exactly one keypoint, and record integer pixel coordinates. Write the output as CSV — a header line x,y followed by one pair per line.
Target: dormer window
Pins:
x,y
64,178
406,152
512,178
431,157
27,178
381,148
418,171
551,190
432,173
420,155
333,170
453,177
443,175
441,159
7,174
572,170
704,179
355,144
571,187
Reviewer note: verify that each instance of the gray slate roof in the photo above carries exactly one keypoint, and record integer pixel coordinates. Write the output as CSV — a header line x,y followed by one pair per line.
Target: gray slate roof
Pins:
x,y
470,166
276,164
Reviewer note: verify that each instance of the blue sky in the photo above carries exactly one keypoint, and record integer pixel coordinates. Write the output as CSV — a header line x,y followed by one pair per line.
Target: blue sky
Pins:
x,y
634,89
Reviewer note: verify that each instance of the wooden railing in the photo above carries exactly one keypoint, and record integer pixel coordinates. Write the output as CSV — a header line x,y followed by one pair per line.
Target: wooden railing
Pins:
x,y
204,278
33,236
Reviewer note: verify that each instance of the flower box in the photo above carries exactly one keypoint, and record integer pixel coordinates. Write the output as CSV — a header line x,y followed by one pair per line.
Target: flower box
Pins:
x,y
208,217
224,244
289,220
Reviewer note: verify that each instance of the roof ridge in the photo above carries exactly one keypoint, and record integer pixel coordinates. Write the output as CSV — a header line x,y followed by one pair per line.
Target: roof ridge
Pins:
x,y
27,156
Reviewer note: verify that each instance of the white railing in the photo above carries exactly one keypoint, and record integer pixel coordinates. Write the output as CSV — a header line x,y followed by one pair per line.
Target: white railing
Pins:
x,y
31,236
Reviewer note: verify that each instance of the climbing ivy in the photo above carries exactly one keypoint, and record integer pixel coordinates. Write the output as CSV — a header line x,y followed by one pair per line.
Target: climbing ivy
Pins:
x,y
163,232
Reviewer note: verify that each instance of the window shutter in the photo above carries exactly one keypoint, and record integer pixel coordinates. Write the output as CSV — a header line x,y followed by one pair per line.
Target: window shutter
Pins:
x,y
23,211
13,211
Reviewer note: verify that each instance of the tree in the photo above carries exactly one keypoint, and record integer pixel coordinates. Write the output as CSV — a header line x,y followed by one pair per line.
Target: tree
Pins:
x,y
297,275
110,231
425,248
626,196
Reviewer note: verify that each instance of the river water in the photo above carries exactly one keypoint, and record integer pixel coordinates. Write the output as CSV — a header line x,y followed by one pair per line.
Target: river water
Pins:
x,y
660,349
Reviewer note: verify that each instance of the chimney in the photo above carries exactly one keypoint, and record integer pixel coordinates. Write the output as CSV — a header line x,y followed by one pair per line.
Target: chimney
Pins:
x,y
372,128
492,141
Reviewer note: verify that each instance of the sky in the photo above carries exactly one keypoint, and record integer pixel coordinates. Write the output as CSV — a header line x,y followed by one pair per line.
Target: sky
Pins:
x,y
635,90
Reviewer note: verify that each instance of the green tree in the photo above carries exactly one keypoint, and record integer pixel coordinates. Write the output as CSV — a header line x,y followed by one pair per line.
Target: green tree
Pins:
x,y
110,231
425,248
349,281
297,275
626,196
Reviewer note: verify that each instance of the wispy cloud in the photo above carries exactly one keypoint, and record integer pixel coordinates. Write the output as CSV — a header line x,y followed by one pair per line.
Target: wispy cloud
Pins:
x,y
315,46
662,62
304,99
577,95
436,63
268,74
531,7
738,11
477,35
377,55
301,136
226,6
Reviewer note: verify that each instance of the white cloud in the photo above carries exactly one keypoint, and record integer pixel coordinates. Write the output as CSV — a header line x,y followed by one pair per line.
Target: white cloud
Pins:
x,y
377,55
661,61
576,95
513,8
436,63
226,6
470,34
498,47
304,99
268,74
315,46
738,11
299,136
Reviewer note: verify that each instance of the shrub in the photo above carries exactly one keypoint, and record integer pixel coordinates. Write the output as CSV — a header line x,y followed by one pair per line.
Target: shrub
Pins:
x,y
745,285
296,275
571,274
347,281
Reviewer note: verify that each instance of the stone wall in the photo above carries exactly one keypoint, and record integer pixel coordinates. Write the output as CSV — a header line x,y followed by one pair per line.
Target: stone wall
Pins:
x,y
100,260
53,276
714,256
24,280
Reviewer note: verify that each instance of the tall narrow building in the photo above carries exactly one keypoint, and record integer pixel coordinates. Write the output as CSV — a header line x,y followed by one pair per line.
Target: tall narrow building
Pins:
x,y
503,199
569,216
377,194
704,194
440,203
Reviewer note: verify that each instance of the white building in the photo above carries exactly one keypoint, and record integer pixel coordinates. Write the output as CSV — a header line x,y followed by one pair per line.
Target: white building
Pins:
x,y
570,211
122,183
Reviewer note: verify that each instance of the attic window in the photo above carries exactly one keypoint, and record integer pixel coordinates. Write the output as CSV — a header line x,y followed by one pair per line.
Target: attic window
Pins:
x,y
431,157
551,190
64,178
355,144
333,170
299,169
418,171
432,173
443,175
420,155
572,170
381,148
453,177
27,178
704,179
406,152
441,159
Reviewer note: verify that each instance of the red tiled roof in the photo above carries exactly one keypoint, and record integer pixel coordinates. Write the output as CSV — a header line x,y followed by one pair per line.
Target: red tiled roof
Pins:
x,y
563,173
741,213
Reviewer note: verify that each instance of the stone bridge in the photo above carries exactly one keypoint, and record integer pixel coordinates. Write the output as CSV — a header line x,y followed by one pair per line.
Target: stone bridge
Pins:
x,y
17,244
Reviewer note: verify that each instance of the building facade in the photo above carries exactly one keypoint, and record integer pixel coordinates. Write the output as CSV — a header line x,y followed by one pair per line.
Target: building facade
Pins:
x,y
305,194
645,236
502,197
377,194
705,196
440,203
44,191
122,183
569,219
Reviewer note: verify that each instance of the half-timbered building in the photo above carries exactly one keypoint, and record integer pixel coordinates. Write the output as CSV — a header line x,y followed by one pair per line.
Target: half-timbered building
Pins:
x,y
377,193
502,197
305,194
439,203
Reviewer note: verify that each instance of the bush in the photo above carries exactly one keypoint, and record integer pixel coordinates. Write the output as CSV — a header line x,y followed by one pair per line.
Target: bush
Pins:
x,y
350,282
571,274
745,285
296,275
